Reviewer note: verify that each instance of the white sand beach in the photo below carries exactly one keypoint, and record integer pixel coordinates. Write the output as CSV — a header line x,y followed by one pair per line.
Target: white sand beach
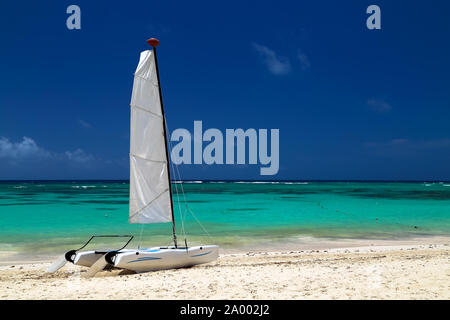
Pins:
x,y
370,272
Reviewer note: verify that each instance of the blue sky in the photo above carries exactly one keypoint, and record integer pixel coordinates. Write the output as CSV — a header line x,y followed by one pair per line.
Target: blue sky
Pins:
x,y
350,103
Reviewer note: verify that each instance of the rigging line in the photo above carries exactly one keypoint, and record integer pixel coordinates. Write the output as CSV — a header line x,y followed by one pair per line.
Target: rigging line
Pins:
x,y
140,236
198,221
184,195
178,200
189,209
176,184
182,191
185,201
179,208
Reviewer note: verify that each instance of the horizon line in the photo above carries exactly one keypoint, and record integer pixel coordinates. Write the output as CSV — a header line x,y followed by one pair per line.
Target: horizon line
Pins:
x,y
230,180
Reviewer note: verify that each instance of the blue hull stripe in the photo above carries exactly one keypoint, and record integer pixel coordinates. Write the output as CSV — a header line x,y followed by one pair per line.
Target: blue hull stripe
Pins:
x,y
201,254
144,259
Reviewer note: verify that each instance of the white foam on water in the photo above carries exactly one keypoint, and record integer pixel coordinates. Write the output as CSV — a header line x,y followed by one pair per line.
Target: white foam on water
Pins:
x,y
84,187
296,182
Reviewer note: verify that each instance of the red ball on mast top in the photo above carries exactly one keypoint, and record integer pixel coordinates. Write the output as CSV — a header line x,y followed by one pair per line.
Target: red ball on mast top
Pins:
x,y
153,42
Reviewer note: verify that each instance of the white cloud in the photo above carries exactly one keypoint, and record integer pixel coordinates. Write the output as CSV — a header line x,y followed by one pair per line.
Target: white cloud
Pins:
x,y
404,147
24,149
390,143
304,60
79,156
378,105
84,124
276,65
27,149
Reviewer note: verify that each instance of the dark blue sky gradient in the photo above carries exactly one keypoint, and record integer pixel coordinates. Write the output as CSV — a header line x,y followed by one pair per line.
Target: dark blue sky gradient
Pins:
x,y
367,105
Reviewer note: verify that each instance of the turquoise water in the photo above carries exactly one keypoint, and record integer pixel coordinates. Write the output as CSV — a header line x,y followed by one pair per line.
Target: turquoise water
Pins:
x,y
47,217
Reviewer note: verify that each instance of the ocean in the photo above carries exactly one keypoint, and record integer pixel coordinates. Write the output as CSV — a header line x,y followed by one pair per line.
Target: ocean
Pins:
x,y
50,217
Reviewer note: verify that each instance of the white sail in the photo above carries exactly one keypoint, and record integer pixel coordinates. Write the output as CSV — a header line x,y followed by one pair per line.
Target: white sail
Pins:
x,y
150,200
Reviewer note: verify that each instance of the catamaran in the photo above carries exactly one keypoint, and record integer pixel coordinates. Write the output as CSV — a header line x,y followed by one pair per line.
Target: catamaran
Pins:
x,y
150,186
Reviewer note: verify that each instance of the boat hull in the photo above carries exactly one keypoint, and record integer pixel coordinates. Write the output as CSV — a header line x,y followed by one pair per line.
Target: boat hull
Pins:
x,y
165,258
88,258
153,259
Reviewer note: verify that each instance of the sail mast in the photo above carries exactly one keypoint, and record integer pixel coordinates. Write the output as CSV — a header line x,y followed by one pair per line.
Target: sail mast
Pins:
x,y
154,43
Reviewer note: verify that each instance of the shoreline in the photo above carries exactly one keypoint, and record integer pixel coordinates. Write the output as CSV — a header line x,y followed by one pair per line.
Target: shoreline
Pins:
x,y
8,258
